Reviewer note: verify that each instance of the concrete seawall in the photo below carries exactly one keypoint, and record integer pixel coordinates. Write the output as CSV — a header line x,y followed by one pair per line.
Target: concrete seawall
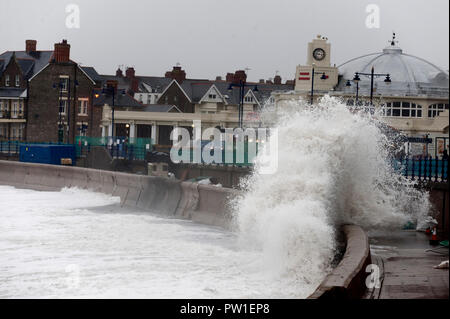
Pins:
x,y
201,203
348,279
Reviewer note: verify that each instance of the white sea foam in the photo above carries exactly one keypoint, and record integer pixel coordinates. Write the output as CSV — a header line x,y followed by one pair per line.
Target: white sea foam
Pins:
x,y
78,244
333,169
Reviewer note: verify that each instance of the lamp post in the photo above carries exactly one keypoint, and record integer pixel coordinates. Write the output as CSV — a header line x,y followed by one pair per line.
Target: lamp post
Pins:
x,y
60,126
241,85
64,84
110,90
372,75
322,77
356,79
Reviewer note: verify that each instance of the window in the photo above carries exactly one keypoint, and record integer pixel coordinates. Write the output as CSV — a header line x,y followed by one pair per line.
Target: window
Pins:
x,y
82,128
17,80
62,107
20,108
20,132
82,106
212,96
248,99
402,109
15,109
3,130
7,80
435,109
1,109
64,84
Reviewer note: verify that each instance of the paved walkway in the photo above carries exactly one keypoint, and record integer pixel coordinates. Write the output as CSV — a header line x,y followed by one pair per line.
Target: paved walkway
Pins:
x,y
406,269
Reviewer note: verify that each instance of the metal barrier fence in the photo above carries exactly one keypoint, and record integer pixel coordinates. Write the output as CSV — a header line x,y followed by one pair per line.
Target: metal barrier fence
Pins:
x,y
118,147
9,148
423,169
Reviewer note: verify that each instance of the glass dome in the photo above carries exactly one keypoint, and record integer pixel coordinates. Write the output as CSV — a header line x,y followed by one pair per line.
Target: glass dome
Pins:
x,y
410,75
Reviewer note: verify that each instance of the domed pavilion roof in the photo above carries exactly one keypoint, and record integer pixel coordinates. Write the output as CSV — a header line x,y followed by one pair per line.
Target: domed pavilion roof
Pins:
x,y
410,75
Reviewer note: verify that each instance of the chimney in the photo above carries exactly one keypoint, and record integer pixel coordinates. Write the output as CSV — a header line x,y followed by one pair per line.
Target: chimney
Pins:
x,y
30,45
62,52
277,79
239,76
229,77
261,81
218,78
177,74
119,72
130,73
134,85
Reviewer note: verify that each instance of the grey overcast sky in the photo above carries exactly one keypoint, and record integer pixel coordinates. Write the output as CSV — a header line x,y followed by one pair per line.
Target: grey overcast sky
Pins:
x,y
213,37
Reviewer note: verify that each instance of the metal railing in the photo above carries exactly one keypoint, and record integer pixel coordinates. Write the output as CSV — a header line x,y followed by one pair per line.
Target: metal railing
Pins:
x,y
9,148
423,169
119,147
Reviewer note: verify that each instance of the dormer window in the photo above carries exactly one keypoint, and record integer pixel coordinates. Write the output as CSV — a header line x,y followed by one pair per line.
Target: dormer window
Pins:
x,y
248,99
17,80
7,80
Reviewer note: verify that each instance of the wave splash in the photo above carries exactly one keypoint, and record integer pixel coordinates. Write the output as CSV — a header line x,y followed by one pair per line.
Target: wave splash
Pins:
x,y
333,169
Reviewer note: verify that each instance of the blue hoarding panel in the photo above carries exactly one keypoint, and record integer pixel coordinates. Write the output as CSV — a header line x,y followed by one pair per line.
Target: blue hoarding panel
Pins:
x,y
46,153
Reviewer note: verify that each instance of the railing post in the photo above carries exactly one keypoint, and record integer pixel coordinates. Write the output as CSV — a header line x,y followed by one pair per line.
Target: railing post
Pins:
x,y
444,167
430,164
436,166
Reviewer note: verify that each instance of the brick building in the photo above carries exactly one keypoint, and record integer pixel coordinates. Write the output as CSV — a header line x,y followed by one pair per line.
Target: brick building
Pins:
x,y
45,96
16,68
60,99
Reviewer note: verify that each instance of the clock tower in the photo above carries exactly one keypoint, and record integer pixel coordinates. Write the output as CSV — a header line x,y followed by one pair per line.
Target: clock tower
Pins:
x,y
318,57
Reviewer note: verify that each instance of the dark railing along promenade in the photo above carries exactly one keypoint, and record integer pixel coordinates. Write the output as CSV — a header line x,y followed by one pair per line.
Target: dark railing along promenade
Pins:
x,y
423,169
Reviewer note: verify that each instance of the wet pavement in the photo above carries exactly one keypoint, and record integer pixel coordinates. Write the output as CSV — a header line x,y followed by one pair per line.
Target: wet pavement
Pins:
x,y
406,267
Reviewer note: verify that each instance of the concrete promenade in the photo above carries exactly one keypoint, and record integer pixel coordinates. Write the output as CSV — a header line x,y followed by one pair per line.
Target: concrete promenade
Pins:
x,y
406,269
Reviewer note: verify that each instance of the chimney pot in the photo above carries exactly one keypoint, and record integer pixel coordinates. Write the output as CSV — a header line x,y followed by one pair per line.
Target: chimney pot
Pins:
x,y
30,45
177,74
62,51
130,73
239,76
277,79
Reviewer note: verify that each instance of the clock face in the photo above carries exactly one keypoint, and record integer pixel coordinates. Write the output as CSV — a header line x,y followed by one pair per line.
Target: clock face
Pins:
x,y
319,54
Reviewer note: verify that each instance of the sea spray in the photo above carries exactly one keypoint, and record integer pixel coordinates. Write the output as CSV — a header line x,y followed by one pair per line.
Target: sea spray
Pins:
x,y
334,168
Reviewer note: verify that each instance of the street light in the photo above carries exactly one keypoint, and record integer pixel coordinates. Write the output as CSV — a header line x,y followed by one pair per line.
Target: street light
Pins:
x,y
356,79
322,77
111,90
60,126
241,85
64,83
372,75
